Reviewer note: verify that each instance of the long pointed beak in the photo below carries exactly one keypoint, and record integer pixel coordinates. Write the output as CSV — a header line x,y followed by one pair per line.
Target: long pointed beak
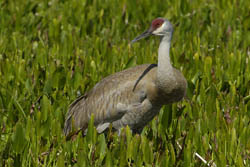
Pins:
x,y
143,35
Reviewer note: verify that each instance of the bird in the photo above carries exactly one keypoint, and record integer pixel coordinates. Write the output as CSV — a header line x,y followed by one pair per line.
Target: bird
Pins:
x,y
134,96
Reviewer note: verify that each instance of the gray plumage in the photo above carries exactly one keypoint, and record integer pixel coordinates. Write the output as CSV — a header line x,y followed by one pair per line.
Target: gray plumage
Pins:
x,y
134,96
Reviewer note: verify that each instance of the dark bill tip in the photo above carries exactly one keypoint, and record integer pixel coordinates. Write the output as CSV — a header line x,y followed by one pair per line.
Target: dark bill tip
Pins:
x,y
143,35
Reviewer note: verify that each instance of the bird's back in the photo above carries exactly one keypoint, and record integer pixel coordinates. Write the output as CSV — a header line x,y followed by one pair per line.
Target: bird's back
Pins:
x,y
111,98
130,97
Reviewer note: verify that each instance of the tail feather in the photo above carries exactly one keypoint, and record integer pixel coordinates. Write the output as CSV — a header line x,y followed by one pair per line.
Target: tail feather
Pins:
x,y
70,114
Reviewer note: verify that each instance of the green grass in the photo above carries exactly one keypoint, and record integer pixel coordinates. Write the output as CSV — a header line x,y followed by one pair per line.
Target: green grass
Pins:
x,y
53,51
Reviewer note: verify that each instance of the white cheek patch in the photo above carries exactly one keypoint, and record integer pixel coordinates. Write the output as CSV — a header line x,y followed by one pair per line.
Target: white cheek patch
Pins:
x,y
159,30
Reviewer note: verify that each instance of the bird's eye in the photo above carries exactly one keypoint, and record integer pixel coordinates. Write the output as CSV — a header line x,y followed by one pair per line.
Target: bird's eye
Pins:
x,y
158,25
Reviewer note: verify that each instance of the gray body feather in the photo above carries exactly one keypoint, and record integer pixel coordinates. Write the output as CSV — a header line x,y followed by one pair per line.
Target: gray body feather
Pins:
x,y
113,100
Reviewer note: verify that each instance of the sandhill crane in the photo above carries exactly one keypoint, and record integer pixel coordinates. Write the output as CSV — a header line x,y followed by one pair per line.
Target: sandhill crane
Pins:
x,y
134,96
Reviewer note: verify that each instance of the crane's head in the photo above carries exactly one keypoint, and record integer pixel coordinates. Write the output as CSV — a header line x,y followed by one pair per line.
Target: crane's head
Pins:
x,y
159,27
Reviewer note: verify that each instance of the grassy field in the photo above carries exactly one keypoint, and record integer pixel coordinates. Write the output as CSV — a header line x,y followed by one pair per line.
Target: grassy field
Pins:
x,y
53,51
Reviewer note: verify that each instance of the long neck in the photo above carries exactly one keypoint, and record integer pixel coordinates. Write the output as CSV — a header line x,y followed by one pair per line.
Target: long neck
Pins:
x,y
165,73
